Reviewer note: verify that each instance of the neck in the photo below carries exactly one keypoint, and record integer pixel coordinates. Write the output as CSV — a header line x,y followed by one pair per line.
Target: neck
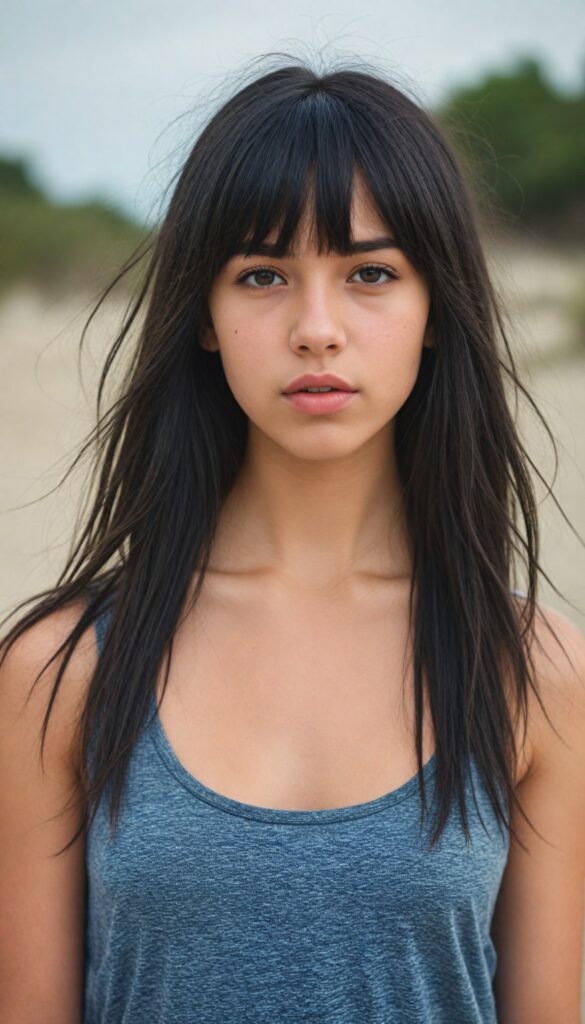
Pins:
x,y
317,522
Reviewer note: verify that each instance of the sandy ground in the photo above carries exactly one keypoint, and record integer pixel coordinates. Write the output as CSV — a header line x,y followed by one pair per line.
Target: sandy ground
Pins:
x,y
46,410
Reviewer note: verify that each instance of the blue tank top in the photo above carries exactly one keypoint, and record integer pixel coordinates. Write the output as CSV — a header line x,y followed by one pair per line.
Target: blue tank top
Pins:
x,y
206,910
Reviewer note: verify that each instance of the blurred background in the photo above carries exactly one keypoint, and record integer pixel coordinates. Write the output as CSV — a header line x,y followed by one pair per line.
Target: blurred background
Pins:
x,y
101,105
102,101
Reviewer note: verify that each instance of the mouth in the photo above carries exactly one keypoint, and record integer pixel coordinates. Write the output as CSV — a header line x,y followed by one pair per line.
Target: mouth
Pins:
x,y
318,391
319,402
318,382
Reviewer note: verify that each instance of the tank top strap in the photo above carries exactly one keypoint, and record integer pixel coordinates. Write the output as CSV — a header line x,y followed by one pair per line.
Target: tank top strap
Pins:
x,y
101,628
101,624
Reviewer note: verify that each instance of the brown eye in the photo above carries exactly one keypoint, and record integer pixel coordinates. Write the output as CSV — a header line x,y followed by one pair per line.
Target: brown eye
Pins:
x,y
376,270
257,272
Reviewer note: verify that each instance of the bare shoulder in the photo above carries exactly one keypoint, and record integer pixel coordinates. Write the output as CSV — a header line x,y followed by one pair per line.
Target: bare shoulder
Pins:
x,y
30,656
558,652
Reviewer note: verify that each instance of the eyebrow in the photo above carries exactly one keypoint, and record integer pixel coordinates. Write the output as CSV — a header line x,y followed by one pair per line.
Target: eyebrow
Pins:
x,y
365,245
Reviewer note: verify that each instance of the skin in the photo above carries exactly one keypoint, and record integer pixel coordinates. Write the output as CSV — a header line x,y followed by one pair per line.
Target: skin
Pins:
x,y
316,313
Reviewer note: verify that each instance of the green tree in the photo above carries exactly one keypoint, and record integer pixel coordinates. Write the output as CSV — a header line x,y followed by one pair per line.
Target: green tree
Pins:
x,y
58,246
525,141
16,179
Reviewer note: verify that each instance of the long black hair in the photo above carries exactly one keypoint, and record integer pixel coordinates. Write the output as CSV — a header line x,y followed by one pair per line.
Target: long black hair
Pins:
x,y
169,448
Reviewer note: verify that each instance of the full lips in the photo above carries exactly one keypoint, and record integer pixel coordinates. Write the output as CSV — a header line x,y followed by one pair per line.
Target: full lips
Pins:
x,y
320,402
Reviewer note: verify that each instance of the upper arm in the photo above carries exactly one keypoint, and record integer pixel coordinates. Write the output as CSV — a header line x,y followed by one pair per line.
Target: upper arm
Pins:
x,y
42,897
538,920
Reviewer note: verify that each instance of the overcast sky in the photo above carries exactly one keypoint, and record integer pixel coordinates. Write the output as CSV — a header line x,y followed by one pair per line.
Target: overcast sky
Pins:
x,y
90,88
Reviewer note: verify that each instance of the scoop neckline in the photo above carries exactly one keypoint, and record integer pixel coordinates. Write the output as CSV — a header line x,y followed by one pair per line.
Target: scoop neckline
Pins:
x,y
278,815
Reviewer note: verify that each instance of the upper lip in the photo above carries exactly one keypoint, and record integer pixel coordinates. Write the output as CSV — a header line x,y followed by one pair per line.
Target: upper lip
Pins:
x,y
318,380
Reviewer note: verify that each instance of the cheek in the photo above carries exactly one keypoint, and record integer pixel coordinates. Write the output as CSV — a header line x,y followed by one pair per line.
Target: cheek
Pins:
x,y
393,365
247,367
396,358
396,339
246,350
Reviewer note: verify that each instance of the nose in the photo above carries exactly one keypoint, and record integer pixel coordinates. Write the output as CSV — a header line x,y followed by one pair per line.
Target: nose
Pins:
x,y
317,325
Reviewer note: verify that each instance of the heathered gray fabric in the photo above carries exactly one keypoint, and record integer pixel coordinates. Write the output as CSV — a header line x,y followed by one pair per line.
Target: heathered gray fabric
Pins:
x,y
205,910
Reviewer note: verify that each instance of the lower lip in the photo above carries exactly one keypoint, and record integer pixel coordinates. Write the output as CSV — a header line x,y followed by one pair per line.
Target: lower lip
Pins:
x,y
326,401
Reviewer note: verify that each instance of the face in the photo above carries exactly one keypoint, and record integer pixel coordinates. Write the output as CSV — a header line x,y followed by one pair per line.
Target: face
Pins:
x,y
275,319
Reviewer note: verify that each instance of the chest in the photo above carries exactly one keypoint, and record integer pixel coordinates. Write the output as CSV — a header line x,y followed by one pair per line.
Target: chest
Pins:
x,y
297,705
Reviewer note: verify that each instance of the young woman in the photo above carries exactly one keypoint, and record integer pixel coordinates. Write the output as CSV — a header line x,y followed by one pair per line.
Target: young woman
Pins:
x,y
290,629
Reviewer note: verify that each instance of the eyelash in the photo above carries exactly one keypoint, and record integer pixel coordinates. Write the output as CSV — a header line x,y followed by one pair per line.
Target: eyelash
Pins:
x,y
242,279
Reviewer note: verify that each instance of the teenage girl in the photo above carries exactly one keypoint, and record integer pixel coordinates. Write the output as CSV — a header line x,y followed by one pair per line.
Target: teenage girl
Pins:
x,y
308,754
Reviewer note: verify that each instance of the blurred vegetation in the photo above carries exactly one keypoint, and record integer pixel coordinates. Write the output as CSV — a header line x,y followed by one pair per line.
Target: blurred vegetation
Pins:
x,y
521,141
58,247
524,143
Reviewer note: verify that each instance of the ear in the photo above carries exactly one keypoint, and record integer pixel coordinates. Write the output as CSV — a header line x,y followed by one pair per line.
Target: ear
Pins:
x,y
429,337
208,338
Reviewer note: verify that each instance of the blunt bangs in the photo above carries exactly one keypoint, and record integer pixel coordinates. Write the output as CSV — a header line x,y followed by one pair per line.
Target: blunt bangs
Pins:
x,y
302,167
